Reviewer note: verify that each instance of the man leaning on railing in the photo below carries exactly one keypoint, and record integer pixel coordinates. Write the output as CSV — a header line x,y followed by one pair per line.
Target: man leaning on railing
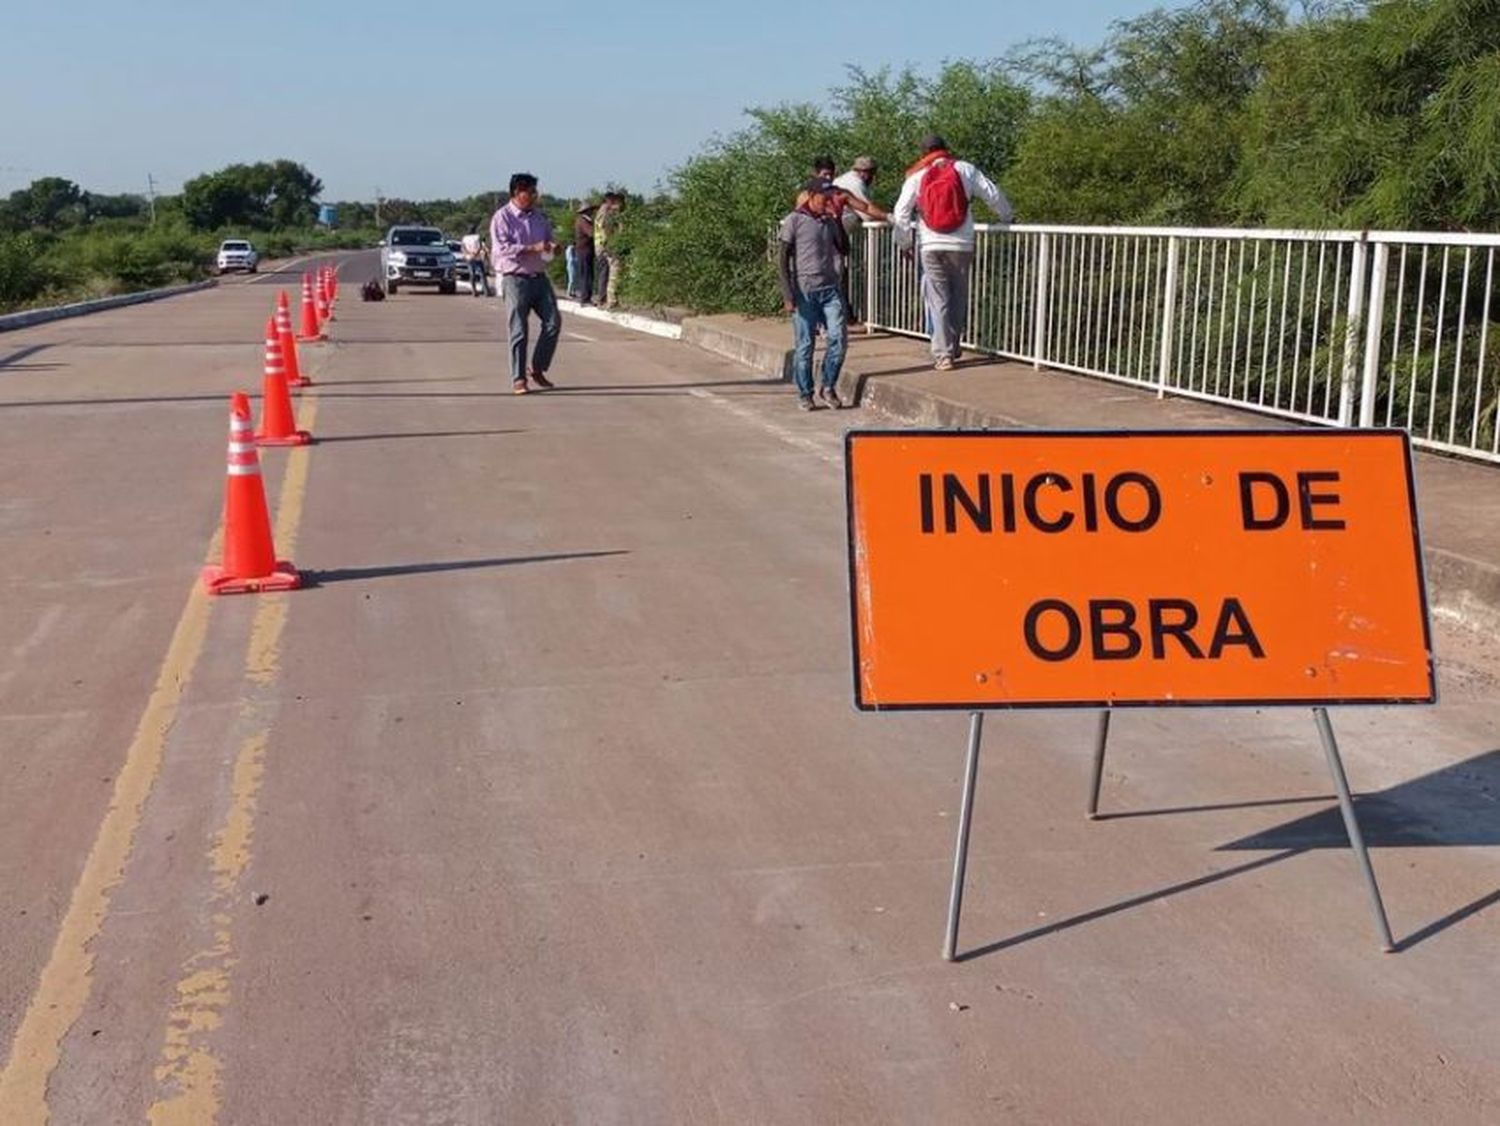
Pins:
x,y
935,201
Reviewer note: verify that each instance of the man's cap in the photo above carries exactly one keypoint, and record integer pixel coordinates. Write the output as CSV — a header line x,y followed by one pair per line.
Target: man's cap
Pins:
x,y
932,142
817,184
864,164
585,205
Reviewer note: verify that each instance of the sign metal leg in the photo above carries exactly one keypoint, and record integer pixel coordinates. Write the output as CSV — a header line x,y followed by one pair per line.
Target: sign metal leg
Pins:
x,y
1351,825
1101,739
961,849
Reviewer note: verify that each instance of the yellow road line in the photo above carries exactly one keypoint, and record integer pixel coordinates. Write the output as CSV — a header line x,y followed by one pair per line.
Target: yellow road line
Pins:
x,y
188,1074
63,988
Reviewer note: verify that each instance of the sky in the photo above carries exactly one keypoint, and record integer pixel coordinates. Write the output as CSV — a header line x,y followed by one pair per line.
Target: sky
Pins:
x,y
446,100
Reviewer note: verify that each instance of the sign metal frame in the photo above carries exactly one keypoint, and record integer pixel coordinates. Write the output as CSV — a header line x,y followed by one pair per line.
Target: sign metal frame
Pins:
x,y
976,709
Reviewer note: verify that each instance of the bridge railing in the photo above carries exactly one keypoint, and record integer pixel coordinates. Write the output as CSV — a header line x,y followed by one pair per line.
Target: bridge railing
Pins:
x,y
1339,328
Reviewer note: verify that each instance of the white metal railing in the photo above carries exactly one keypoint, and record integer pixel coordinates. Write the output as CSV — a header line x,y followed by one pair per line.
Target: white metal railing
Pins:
x,y
1343,328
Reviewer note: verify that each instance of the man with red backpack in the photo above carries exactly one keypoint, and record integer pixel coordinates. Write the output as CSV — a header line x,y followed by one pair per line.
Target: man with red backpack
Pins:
x,y
935,201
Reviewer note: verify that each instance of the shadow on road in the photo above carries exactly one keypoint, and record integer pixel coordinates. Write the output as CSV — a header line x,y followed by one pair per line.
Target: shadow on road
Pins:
x,y
417,434
16,404
363,382
352,574
575,388
562,389
15,358
1217,808
1458,805
1125,905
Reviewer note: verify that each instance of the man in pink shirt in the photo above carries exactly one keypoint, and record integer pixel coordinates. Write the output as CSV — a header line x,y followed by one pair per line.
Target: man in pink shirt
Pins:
x,y
522,242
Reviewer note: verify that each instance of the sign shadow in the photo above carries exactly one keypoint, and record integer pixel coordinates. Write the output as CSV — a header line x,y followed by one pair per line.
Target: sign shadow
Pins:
x,y
1458,805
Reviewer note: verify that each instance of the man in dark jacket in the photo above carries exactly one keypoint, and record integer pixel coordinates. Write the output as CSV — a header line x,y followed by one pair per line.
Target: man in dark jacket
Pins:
x,y
583,253
811,242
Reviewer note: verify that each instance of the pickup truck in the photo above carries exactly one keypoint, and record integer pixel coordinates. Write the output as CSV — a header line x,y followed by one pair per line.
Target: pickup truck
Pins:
x,y
237,254
416,256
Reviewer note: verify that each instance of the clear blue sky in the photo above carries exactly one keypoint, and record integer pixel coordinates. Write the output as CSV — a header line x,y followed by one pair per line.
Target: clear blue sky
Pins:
x,y
446,99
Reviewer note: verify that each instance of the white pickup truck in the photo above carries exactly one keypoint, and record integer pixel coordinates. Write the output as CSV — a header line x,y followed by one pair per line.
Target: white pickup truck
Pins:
x,y
237,254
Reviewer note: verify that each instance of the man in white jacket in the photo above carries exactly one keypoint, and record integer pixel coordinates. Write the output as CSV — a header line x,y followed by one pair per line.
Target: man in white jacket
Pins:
x,y
946,242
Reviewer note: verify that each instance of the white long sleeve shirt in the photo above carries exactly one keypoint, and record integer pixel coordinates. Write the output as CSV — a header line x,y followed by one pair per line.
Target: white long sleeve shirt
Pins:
x,y
976,183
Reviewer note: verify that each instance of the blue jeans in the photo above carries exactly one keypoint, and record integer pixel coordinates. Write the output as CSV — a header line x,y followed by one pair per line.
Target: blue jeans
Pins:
x,y
525,294
820,306
478,282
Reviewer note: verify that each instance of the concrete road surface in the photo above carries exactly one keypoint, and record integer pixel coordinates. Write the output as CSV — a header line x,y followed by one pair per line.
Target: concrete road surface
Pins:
x,y
546,802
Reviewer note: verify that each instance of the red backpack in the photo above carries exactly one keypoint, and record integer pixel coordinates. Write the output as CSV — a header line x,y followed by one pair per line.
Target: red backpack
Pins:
x,y
942,198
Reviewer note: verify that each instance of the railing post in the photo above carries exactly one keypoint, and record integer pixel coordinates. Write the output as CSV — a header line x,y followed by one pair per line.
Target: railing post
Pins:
x,y
1039,309
1352,326
871,237
1168,318
1374,327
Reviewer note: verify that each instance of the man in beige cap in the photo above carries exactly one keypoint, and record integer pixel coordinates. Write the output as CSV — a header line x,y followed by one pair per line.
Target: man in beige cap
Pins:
x,y
855,185
858,208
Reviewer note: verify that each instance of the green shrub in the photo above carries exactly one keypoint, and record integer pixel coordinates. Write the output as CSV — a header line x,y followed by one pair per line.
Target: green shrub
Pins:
x,y
25,273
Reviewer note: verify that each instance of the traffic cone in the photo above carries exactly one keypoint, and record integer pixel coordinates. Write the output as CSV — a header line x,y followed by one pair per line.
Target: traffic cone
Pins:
x,y
295,380
250,562
333,282
310,324
325,310
278,426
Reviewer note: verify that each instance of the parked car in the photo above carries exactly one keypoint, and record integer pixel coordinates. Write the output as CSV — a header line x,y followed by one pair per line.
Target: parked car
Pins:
x,y
416,256
237,254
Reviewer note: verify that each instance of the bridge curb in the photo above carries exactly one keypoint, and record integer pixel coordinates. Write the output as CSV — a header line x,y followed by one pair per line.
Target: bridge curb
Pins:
x,y
765,359
82,308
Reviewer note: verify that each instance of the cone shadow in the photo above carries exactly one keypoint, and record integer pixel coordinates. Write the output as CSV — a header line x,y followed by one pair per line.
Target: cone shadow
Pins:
x,y
353,574
416,434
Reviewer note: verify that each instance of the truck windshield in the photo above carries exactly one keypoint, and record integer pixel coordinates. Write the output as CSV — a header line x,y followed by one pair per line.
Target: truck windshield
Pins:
x,y
235,246
416,238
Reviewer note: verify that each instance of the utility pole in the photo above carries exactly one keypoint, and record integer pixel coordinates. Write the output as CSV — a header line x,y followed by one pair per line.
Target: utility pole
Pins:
x,y
377,206
151,195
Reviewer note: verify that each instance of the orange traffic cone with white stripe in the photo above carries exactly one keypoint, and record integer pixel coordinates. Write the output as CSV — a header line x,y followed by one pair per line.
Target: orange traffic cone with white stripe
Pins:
x,y
310,324
333,283
250,562
325,308
294,377
278,426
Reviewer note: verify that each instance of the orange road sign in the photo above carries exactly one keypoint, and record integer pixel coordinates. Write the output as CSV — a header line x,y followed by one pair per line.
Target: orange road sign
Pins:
x,y
1097,569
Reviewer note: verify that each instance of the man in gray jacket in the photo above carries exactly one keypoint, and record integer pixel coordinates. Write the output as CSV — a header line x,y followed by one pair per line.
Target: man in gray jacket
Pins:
x,y
946,244
811,241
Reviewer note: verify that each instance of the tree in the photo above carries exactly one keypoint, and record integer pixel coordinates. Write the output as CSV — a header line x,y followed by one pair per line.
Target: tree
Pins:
x,y
274,196
291,192
709,245
1386,118
51,203
126,206
1150,127
224,198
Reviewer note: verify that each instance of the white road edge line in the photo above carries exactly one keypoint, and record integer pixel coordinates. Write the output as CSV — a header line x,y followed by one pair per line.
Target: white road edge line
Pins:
x,y
790,437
